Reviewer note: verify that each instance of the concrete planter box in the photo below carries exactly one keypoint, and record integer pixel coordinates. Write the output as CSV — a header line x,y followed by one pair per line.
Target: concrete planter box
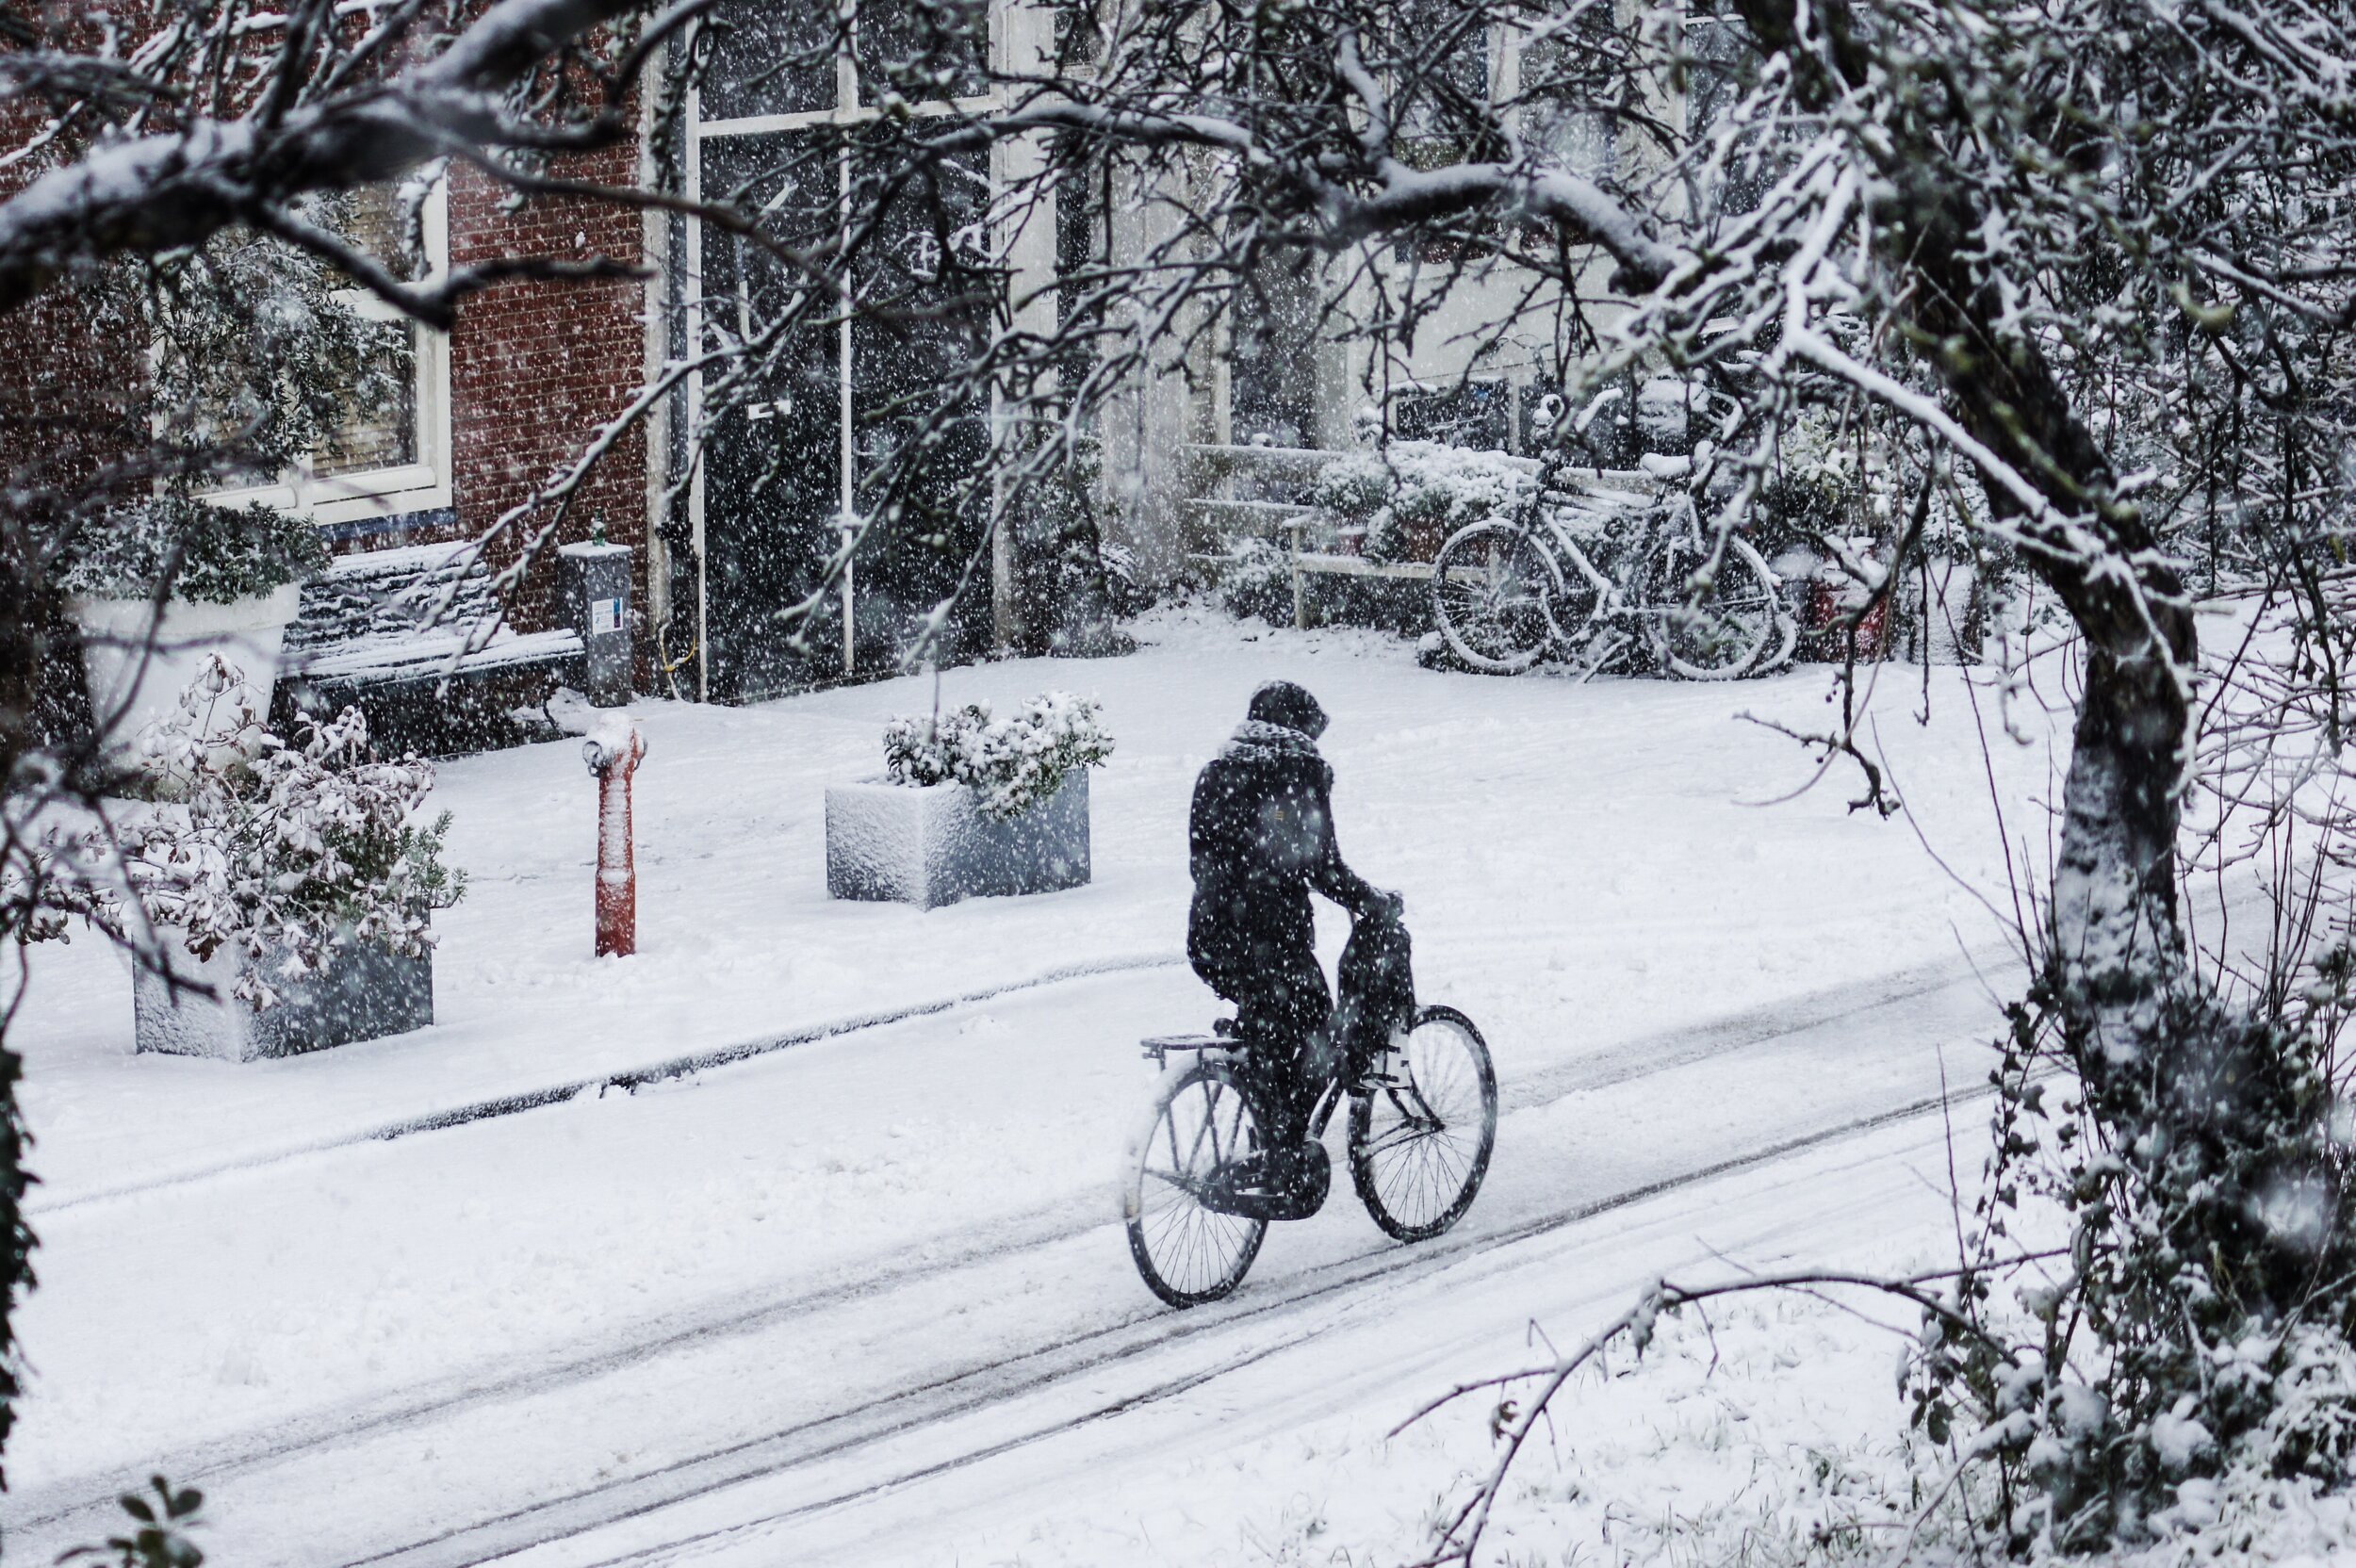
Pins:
x,y
143,682
365,992
933,845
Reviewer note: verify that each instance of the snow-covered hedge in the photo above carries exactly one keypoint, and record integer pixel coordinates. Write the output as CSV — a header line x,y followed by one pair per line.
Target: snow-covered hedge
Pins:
x,y
225,554
1419,487
1255,577
284,850
1011,763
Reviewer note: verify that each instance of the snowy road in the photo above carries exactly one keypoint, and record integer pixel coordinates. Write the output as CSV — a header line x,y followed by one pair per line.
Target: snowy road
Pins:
x,y
799,1379
606,1323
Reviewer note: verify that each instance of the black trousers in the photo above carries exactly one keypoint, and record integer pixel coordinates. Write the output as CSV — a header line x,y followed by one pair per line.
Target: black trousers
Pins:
x,y
1282,1012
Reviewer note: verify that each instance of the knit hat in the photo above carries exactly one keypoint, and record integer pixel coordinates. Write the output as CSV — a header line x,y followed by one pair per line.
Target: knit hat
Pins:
x,y
1283,702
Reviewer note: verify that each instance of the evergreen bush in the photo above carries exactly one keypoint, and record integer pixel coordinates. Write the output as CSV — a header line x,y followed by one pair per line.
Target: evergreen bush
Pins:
x,y
194,550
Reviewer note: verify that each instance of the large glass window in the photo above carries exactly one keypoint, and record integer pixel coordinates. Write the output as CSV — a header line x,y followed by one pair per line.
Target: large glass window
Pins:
x,y
381,433
391,456
769,62
1561,86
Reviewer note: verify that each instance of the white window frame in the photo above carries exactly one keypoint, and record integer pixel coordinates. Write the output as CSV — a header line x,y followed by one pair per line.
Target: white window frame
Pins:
x,y
421,485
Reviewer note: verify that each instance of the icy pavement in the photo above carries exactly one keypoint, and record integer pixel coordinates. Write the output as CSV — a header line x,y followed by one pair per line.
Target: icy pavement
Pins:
x,y
357,1344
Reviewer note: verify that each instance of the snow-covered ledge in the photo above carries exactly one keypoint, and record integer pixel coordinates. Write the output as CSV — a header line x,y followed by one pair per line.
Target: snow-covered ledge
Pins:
x,y
933,844
365,992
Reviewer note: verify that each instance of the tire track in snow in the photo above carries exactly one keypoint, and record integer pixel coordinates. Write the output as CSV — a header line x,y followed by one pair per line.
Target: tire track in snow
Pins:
x,y
1063,1220
999,1381
1614,1065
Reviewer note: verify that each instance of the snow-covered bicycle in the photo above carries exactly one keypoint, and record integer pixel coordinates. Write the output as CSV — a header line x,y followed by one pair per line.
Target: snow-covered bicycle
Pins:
x,y
1423,1117
1606,576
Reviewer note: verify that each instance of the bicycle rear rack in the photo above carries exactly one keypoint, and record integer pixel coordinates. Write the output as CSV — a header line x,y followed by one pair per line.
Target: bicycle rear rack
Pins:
x,y
1156,1048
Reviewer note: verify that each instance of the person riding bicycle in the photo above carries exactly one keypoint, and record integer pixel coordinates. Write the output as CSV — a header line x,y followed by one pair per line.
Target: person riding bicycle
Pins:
x,y
1261,837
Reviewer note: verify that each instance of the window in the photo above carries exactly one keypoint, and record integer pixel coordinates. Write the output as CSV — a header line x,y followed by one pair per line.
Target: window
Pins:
x,y
1440,81
393,460
1562,81
1474,414
770,63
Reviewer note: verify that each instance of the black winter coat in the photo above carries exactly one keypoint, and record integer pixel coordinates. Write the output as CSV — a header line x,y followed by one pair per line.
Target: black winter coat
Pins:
x,y
1260,836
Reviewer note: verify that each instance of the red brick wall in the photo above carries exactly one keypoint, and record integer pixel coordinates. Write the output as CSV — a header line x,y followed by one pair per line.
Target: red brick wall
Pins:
x,y
66,380
538,369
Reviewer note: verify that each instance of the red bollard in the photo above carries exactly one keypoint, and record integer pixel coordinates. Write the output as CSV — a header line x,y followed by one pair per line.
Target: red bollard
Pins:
x,y
618,873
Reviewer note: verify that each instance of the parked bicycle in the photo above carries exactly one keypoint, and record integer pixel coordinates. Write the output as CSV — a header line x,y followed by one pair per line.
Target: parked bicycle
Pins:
x,y
1609,576
1423,1117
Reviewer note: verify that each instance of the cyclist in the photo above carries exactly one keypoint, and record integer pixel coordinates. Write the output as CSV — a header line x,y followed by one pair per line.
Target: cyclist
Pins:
x,y
1261,836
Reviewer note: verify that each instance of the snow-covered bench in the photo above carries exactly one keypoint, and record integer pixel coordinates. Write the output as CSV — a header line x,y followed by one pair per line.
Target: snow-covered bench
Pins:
x,y
369,627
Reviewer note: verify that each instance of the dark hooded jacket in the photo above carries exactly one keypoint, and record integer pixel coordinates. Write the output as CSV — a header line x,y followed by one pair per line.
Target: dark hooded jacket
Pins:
x,y
1261,837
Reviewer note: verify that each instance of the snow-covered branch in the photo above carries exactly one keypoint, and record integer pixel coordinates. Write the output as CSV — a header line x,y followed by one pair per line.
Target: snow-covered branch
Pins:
x,y
176,188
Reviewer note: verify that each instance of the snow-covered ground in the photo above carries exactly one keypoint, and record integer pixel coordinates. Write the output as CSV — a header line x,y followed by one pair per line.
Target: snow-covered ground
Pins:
x,y
768,1285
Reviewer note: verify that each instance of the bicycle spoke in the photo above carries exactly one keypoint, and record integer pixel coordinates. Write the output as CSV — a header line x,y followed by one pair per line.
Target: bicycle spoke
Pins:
x,y
1189,1252
1402,1137
1422,1143
1492,591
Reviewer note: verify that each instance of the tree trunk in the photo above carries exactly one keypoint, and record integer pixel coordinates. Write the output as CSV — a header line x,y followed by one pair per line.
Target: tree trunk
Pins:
x,y
2115,930
2114,920
25,613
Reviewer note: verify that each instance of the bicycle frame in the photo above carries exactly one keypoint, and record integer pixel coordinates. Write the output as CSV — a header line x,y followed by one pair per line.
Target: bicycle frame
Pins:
x,y
1338,1088
1614,600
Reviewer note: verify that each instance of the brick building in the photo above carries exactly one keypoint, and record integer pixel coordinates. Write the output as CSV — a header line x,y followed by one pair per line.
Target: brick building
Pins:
x,y
505,401
731,534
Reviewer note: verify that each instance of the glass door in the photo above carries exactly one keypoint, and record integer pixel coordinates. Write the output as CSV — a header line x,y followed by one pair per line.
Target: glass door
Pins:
x,y
868,406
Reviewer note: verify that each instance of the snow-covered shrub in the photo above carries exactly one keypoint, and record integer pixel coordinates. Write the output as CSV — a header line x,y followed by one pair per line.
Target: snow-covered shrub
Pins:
x,y
1011,763
284,850
1130,594
225,554
1414,494
1255,577
1818,485
2198,1326
52,874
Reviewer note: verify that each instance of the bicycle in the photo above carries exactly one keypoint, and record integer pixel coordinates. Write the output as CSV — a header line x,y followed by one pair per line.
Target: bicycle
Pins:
x,y
1603,573
1423,1119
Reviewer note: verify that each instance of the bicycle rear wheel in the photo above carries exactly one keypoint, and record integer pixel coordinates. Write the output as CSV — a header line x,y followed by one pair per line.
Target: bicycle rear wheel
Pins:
x,y
1735,625
1493,592
1187,1254
1419,1142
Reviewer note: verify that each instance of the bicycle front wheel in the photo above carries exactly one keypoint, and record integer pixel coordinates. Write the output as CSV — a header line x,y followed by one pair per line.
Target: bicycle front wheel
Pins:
x,y
1421,1138
1199,1121
1493,592
1734,624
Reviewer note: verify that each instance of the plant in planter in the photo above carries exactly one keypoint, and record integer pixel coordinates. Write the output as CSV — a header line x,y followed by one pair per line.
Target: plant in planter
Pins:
x,y
971,804
168,584
289,875
1410,496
